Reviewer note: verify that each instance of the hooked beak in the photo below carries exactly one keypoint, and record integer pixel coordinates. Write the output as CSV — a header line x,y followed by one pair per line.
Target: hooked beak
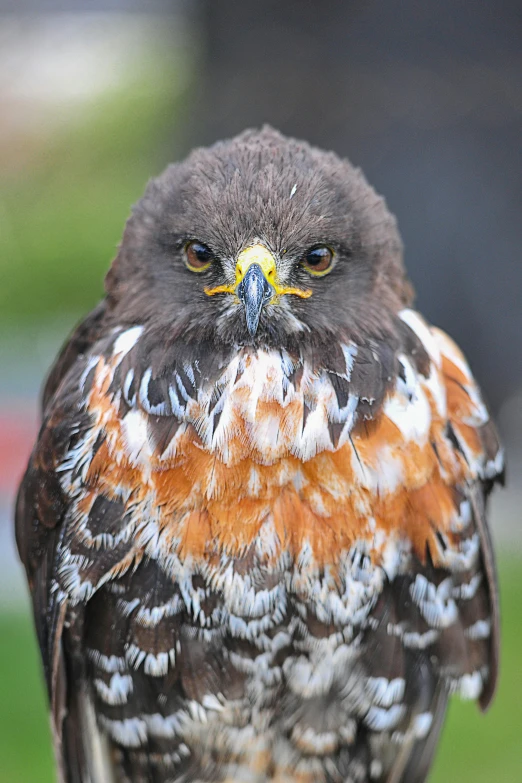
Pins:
x,y
256,284
254,292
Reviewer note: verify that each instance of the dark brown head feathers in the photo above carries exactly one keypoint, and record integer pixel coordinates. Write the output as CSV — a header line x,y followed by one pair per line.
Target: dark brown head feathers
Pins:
x,y
288,195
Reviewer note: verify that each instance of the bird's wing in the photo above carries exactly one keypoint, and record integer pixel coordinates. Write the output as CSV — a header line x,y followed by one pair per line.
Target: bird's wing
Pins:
x,y
414,765
438,619
41,519
80,341
476,442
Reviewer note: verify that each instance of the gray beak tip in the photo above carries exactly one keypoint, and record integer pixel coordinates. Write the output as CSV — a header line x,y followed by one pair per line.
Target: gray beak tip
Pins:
x,y
254,292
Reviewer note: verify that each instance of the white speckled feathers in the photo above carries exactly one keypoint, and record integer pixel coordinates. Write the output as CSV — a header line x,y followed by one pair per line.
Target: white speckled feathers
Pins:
x,y
276,574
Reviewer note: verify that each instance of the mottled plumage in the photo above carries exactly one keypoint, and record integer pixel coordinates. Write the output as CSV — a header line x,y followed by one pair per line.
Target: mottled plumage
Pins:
x,y
258,551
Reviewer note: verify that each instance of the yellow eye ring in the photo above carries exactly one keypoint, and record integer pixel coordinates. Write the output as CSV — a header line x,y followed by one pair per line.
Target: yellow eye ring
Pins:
x,y
318,260
198,257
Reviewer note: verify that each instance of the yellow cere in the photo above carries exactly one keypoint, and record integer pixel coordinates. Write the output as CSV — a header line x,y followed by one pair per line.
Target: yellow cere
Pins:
x,y
258,254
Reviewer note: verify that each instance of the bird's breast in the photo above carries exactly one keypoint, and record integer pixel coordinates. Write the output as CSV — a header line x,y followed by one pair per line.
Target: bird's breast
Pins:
x,y
272,443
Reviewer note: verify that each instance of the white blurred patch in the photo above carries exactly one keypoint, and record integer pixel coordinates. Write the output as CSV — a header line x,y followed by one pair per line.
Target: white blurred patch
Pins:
x,y
419,326
127,340
134,428
412,417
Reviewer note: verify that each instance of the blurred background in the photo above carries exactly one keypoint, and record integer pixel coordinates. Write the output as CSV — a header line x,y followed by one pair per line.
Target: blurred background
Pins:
x,y
95,97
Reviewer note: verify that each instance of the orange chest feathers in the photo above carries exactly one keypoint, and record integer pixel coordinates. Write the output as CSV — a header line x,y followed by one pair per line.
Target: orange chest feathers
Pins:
x,y
274,454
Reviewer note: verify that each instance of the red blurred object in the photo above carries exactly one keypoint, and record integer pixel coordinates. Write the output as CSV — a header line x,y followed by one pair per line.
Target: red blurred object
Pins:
x,y
18,427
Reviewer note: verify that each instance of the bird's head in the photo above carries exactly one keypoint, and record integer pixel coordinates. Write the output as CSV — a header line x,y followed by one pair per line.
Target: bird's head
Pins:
x,y
261,240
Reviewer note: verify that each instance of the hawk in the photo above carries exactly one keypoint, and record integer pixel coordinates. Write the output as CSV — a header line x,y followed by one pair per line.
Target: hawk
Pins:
x,y
253,522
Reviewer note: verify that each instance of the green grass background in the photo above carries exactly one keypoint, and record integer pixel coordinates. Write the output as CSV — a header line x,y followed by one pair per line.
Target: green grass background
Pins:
x,y
62,211
475,748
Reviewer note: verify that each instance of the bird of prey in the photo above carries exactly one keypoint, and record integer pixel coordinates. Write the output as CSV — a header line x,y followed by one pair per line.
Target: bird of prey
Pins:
x,y
253,522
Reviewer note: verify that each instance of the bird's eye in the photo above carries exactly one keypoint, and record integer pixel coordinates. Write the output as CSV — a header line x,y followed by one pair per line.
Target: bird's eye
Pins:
x,y
318,260
198,257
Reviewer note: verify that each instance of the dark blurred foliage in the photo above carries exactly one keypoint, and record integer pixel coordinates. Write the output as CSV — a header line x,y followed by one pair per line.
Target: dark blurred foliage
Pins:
x,y
427,98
